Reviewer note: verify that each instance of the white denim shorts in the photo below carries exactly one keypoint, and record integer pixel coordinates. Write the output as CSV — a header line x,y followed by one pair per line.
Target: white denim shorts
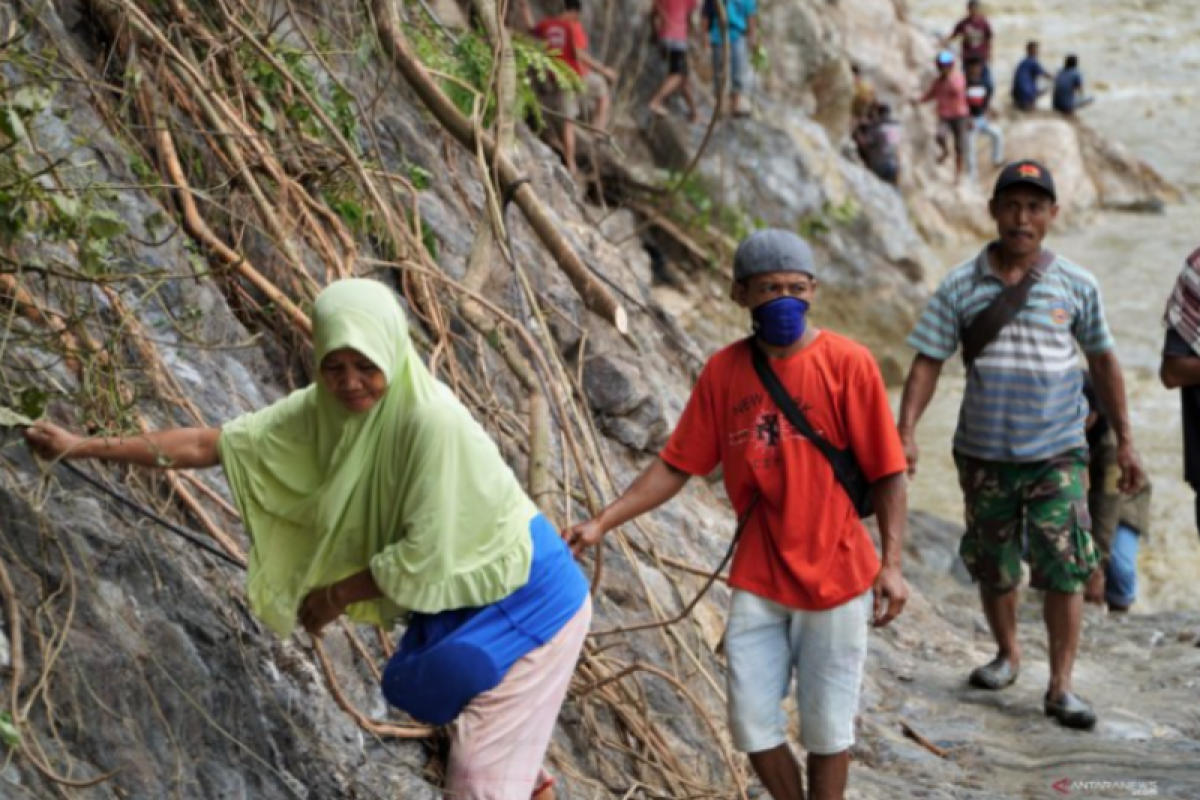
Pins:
x,y
765,642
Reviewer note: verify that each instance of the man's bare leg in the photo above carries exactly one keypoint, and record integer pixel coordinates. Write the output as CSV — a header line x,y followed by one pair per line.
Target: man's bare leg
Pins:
x,y
827,776
1001,613
779,771
1063,613
669,87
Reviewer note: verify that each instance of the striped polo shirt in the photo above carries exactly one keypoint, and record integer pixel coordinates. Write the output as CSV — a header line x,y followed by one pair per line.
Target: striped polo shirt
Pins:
x,y
1024,397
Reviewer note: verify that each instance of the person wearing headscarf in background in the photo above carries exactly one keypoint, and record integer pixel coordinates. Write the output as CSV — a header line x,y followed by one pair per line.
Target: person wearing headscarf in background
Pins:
x,y
374,493
1181,364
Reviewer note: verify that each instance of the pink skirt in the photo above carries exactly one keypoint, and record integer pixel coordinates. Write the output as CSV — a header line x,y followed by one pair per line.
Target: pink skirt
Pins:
x,y
498,742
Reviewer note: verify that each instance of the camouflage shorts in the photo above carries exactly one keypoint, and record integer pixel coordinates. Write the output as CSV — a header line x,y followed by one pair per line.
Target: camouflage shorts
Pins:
x,y
1044,500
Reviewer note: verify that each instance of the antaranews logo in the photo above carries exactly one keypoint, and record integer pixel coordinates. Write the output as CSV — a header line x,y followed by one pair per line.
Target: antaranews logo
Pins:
x,y
1134,788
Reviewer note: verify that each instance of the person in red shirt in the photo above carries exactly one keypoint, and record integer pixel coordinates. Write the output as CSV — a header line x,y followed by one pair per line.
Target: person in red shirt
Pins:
x,y
566,38
949,92
806,579
673,27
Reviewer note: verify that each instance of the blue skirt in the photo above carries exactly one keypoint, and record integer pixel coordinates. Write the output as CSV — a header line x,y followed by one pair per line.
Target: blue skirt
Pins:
x,y
446,659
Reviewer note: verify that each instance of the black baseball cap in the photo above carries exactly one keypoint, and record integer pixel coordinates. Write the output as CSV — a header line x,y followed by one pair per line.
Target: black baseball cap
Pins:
x,y
1025,173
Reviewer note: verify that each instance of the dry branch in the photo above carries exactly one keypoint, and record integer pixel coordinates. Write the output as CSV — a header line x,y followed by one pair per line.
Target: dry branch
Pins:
x,y
595,296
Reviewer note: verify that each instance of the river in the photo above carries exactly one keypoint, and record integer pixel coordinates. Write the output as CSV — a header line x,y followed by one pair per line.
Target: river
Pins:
x,y
1140,58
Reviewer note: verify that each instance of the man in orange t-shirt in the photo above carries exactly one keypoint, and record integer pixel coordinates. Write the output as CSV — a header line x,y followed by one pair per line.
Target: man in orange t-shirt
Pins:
x,y
805,567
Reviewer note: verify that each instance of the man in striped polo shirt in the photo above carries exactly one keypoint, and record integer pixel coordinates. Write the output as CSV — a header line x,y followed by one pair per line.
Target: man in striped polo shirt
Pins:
x,y
1020,446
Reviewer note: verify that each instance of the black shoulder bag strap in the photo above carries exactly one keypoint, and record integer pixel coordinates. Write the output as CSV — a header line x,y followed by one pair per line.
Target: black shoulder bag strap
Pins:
x,y
988,323
845,468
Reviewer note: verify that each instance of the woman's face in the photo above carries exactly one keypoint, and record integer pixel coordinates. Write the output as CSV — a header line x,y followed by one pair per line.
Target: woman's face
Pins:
x,y
353,379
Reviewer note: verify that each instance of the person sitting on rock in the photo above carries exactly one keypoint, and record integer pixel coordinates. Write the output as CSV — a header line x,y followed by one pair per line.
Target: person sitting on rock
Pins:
x,y
1027,86
1068,88
1180,367
565,37
878,139
949,92
806,580
1119,521
741,23
1019,310
673,26
374,492
979,101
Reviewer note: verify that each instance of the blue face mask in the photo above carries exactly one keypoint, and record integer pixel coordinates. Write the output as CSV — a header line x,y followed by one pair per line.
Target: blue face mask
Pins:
x,y
780,322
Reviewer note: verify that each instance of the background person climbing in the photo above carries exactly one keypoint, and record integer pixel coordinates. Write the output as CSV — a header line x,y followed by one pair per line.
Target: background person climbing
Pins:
x,y
976,34
982,122
672,20
742,22
565,36
806,579
949,93
374,492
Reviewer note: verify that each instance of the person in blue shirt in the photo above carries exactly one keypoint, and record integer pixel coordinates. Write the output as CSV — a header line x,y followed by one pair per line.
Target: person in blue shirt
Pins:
x,y
1068,88
742,20
1026,88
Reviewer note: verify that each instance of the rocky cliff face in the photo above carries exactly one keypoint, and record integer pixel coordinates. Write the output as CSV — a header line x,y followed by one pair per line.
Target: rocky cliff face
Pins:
x,y
128,657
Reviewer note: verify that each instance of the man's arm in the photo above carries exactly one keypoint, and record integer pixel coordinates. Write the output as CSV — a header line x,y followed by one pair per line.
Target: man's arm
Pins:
x,y
919,387
1109,381
657,484
891,506
752,31
586,58
1179,371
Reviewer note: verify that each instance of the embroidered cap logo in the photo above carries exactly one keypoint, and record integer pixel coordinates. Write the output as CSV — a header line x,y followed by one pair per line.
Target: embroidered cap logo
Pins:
x,y
1029,171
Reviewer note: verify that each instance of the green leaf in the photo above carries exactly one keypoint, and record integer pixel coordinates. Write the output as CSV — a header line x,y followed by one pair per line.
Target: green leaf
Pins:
x,y
11,125
30,99
266,115
33,402
104,225
11,419
8,730
64,205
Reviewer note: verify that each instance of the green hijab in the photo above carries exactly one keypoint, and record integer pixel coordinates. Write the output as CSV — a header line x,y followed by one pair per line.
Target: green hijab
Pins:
x,y
412,488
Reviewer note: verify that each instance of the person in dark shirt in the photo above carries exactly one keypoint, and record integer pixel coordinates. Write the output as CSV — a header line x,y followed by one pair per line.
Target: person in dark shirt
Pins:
x,y
1026,88
979,101
878,138
1181,364
1068,88
976,34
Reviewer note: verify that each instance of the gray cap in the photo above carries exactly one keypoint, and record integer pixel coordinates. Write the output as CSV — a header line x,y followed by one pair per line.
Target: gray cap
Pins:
x,y
772,250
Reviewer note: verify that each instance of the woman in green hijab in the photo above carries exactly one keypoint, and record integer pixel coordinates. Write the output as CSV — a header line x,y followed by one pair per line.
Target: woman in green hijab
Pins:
x,y
374,493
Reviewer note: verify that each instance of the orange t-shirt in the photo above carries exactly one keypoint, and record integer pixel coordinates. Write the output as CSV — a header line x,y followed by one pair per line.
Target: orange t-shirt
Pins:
x,y
803,546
